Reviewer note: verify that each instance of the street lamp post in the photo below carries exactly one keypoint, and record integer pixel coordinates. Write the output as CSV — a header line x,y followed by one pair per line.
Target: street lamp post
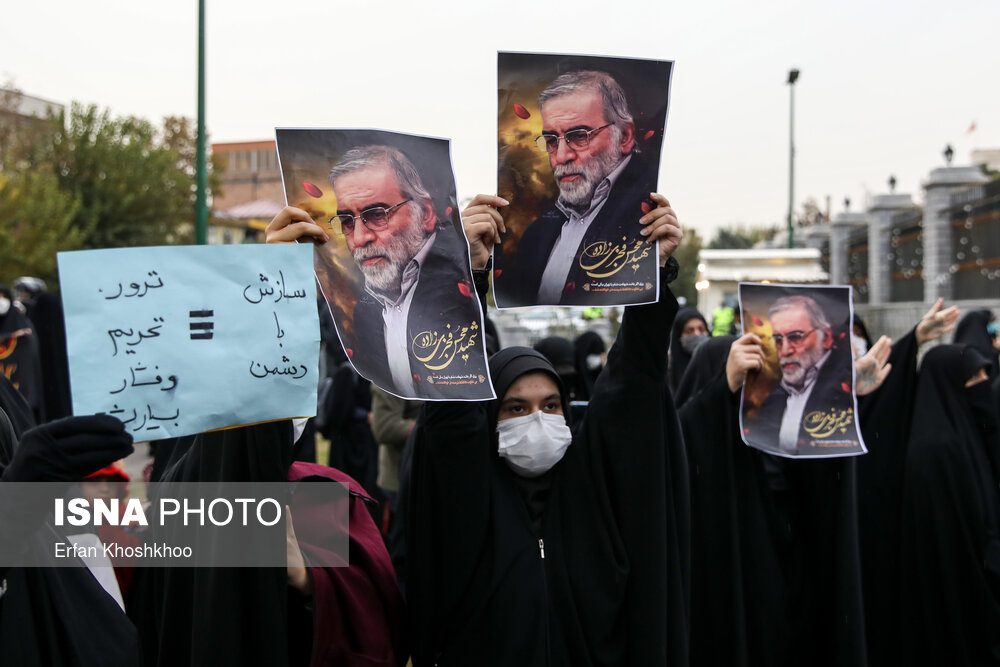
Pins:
x,y
793,76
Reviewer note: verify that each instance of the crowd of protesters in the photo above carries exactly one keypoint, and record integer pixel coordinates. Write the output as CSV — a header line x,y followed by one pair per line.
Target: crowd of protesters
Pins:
x,y
633,527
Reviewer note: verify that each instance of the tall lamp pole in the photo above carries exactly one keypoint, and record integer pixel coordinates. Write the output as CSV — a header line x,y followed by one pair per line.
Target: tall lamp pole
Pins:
x,y
793,76
201,174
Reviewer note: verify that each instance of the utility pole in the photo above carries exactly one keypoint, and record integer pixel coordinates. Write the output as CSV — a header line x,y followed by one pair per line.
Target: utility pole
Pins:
x,y
201,173
793,76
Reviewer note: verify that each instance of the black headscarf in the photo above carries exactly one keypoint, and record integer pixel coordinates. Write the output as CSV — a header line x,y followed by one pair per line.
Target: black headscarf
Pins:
x,y
950,572
679,359
21,356
711,359
511,363
559,352
506,366
47,315
586,344
971,331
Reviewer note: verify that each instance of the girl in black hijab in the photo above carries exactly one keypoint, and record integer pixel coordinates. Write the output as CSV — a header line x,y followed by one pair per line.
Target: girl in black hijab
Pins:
x,y
950,565
530,547
689,330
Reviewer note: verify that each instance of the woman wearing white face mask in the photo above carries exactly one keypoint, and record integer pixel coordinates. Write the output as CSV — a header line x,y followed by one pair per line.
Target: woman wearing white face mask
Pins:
x,y
531,544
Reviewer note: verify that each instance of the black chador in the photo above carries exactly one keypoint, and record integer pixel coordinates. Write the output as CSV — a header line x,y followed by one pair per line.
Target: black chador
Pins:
x,y
586,564
950,527
775,576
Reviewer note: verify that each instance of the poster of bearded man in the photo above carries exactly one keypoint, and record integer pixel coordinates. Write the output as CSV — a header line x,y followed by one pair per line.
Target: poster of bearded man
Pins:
x,y
803,402
396,272
579,154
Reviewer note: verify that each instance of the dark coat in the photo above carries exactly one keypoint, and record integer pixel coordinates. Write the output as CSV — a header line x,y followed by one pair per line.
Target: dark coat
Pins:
x,y
950,519
610,587
521,274
444,296
885,417
775,574
51,615
832,390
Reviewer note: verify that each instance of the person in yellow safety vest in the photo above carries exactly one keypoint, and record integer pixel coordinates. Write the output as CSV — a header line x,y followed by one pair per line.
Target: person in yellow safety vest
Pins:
x,y
722,319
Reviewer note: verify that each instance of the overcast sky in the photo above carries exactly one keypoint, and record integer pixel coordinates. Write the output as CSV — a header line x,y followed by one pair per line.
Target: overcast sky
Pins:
x,y
884,85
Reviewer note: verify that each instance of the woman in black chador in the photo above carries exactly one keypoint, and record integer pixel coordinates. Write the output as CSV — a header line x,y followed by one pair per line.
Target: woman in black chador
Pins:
x,y
775,573
530,545
950,532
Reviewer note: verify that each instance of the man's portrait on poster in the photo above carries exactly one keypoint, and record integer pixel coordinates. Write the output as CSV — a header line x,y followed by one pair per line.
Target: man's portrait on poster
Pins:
x,y
811,409
396,270
584,247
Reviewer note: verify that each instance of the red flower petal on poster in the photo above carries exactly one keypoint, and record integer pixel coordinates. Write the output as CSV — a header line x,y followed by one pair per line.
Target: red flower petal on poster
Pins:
x,y
521,112
646,208
350,352
448,211
570,286
649,135
757,321
416,379
311,190
496,274
846,387
464,289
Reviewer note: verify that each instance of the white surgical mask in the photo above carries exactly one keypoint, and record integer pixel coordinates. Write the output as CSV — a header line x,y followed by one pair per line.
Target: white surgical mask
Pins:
x,y
594,362
532,444
4,305
860,346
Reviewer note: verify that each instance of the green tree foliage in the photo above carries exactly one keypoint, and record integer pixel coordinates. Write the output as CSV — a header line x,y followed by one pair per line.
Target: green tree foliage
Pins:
x,y
134,184
687,258
739,237
36,221
130,185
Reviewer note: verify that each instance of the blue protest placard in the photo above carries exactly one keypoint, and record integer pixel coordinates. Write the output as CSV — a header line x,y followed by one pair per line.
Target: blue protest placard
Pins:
x,y
179,340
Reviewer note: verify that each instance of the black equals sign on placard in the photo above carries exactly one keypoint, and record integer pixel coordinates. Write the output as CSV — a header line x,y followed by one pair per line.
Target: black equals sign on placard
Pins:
x,y
201,324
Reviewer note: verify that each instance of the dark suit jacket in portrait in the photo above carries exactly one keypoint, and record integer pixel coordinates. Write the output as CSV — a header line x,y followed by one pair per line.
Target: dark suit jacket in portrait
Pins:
x,y
522,271
824,433
439,300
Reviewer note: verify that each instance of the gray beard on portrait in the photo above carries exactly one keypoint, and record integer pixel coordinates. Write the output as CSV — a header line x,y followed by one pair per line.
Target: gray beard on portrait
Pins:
x,y
385,277
577,195
805,359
